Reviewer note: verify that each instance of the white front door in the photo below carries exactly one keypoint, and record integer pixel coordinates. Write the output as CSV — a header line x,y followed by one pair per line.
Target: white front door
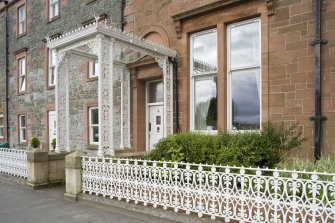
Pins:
x,y
155,125
52,128
155,113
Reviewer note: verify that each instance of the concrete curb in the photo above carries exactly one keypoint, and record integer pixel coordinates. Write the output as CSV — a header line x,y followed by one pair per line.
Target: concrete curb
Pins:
x,y
168,214
13,179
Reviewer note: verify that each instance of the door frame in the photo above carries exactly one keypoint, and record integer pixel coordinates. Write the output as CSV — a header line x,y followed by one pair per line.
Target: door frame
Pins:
x,y
147,106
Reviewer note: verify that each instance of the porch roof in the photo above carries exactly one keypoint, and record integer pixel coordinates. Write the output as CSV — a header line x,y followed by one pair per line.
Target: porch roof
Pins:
x,y
76,37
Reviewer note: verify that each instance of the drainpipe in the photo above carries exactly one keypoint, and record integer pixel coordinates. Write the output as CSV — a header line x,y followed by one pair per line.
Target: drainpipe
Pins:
x,y
7,71
317,118
175,73
123,21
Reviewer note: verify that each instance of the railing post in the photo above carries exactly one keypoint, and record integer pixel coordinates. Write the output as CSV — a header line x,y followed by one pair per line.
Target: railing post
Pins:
x,y
37,169
73,177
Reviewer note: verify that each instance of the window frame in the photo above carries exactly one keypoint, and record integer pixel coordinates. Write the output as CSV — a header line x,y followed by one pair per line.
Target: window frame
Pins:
x,y
20,128
19,74
245,68
90,127
21,20
50,16
2,136
193,77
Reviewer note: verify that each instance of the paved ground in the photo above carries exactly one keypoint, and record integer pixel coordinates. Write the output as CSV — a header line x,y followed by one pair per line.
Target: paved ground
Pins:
x,y
19,204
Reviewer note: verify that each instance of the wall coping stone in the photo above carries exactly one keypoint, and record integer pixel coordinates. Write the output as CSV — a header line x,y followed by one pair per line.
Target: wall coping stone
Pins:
x,y
57,156
37,155
73,160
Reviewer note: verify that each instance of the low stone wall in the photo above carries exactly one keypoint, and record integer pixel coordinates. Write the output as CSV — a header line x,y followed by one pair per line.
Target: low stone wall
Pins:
x,y
45,168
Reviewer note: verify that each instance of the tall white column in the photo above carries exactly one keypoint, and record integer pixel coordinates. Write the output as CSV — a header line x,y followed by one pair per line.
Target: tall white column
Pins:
x,y
121,111
61,101
167,68
105,92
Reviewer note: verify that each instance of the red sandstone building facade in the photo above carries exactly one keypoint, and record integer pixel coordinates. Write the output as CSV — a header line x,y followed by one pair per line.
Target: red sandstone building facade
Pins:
x,y
250,61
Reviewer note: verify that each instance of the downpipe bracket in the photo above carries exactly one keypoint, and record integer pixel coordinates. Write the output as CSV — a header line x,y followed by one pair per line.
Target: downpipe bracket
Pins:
x,y
318,118
318,41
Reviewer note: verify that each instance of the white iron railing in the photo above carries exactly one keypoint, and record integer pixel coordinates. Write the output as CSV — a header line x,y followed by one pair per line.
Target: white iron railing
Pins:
x,y
13,162
231,193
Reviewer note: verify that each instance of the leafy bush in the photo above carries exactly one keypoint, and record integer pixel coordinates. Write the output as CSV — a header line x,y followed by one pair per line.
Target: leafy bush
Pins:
x,y
262,148
35,142
4,145
53,143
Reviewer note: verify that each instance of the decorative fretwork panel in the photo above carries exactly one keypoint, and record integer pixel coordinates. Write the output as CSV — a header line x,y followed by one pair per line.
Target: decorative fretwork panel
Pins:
x,y
230,193
13,162
126,108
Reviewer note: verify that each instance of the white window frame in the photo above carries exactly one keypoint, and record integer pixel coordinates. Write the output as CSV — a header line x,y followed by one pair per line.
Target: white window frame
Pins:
x,y
21,19
90,126
22,129
2,127
22,74
93,69
52,66
230,71
192,81
52,9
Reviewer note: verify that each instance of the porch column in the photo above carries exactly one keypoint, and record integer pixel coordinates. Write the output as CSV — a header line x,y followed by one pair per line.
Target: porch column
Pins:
x,y
125,109
62,104
105,93
167,68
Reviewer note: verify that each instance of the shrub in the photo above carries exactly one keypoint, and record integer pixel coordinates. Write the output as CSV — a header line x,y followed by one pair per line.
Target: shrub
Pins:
x,y
53,143
35,142
262,148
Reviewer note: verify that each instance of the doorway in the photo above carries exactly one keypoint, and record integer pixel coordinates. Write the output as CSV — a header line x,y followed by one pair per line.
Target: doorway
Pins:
x,y
155,113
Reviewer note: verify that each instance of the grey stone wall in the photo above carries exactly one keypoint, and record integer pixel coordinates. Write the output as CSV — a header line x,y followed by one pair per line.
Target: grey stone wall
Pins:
x,y
73,13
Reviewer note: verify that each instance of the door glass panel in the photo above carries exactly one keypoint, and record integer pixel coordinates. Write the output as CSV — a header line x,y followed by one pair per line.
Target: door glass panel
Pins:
x,y
155,92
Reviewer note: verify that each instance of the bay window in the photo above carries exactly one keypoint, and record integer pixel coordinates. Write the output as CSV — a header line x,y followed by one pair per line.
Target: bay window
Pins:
x,y
204,80
244,62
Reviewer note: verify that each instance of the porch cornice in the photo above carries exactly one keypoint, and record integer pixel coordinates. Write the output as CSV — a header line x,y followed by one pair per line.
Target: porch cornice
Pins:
x,y
88,32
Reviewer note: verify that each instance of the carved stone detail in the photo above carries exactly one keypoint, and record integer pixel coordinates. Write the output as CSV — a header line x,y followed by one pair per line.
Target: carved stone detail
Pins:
x,y
270,4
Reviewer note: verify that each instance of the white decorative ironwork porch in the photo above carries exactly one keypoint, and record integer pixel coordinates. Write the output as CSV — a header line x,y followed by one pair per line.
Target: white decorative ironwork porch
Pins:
x,y
231,193
113,50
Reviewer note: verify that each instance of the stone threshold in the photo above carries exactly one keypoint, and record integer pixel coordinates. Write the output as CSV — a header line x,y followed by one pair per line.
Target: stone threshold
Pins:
x,y
168,214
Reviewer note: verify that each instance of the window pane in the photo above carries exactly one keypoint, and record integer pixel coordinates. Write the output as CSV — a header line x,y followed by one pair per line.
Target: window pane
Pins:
x,y
205,52
1,131
156,92
95,132
94,116
1,121
22,121
205,103
244,45
245,100
22,83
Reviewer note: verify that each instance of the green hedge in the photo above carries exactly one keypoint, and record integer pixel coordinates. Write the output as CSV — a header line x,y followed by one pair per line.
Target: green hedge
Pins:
x,y
257,149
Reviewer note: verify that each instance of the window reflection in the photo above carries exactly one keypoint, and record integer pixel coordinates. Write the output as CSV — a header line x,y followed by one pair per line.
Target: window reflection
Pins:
x,y
205,108
204,80
245,100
